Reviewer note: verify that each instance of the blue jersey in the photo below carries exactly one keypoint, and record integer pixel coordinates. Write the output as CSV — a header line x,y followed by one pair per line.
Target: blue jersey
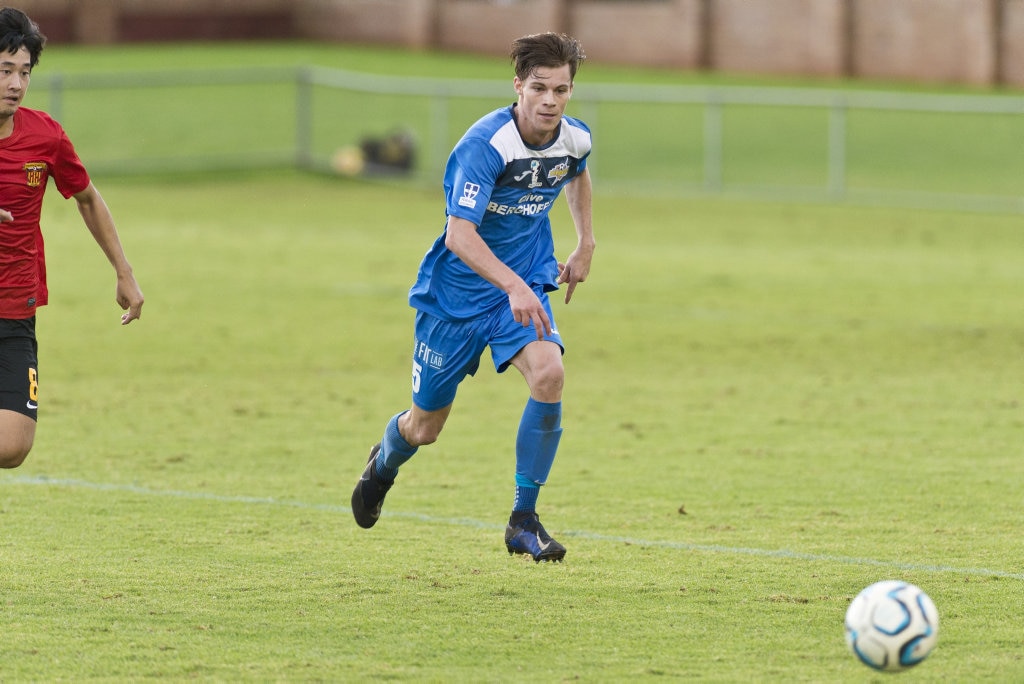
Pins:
x,y
505,187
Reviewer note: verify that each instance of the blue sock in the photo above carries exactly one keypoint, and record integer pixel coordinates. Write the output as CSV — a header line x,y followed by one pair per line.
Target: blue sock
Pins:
x,y
394,450
536,443
526,494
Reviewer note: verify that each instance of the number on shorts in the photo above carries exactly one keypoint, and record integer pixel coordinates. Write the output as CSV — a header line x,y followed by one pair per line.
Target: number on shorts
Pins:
x,y
417,370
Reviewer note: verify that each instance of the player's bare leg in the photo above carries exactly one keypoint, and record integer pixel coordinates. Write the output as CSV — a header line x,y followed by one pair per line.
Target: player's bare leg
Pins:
x,y
405,433
541,365
17,433
419,427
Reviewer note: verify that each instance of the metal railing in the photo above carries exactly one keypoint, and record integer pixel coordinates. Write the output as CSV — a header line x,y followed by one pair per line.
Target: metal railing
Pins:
x,y
326,107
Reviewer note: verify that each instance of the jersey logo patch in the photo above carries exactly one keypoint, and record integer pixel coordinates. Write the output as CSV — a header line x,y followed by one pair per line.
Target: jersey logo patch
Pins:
x,y
558,173
35,172
469,193
533,173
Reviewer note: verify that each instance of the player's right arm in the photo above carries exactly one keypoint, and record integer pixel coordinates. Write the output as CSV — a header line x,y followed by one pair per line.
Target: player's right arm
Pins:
x,y
465,242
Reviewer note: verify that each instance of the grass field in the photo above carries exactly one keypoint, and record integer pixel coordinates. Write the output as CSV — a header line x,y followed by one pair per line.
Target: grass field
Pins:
x,y
768,407
830,395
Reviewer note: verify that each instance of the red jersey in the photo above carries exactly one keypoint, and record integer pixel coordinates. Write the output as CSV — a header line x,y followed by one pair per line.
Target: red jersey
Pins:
x,y
36,151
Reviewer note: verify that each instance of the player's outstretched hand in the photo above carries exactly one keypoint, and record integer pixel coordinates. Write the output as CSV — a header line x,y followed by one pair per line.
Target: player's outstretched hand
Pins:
x,y
575,270
129,297
6,215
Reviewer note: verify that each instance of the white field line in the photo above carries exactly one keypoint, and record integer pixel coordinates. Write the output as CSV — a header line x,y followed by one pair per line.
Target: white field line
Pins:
x,y
784,554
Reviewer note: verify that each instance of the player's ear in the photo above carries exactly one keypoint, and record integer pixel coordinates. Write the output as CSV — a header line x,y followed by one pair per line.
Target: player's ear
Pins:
x,y
518,85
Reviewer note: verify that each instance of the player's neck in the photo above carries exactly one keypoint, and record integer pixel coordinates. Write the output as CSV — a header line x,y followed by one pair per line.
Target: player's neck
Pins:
x,y
531,137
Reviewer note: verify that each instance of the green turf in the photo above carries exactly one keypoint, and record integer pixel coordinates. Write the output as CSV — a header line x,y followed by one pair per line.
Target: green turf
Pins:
x,y
768,407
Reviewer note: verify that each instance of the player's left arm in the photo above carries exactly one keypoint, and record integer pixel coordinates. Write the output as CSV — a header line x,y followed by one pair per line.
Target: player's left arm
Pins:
x,y
577,267
100,223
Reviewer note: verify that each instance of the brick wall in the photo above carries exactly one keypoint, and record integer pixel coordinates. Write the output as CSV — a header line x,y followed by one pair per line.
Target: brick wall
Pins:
x,y
779,36
1011,44
650,33
490,27
958,41
931,40
400,22
111,21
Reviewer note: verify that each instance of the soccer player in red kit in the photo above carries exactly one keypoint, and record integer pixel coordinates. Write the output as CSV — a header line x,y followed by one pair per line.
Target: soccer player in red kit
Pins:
x,y
34,149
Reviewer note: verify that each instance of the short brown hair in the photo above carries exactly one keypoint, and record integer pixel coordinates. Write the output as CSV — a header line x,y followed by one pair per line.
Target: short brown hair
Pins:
x,y
546,50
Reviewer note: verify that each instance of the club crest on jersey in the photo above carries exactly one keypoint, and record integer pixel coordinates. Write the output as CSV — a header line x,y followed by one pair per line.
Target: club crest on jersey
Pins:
x,y
469,193
35,172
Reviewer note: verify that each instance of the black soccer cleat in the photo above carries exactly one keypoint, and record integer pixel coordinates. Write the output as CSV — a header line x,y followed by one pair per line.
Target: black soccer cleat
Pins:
x,y
368,496
525,534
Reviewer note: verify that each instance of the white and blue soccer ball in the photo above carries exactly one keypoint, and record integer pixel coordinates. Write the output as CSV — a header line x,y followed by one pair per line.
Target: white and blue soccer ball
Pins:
x,y
892,625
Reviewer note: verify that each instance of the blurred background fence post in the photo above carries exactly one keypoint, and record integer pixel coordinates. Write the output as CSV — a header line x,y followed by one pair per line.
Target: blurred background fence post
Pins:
x,y
713,135
837,149
304,118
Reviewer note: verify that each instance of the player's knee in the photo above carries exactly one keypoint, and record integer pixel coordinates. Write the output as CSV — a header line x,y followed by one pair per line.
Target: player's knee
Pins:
x,y
12,456
423,429
547,382
423,433
419,428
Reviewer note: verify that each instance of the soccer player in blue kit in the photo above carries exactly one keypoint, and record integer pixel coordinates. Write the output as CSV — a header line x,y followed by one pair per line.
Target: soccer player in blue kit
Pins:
x,y
485,281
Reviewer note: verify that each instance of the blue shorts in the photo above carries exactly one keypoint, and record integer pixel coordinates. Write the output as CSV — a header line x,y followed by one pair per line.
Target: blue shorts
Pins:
x,y
445,352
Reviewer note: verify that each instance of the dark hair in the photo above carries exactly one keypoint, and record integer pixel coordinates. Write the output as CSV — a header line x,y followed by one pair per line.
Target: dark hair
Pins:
x,y
18,31
546,50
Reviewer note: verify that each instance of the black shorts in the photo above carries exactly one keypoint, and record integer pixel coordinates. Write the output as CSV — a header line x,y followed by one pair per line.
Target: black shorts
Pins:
x,y
19,367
